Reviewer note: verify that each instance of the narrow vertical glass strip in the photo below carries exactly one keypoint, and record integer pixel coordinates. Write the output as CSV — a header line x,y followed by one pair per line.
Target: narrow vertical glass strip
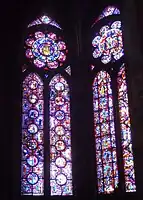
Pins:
x,y
60,137
32,157
104,129
129,171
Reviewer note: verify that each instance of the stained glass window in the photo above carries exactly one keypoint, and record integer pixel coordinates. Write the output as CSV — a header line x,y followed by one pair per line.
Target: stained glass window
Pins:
x,y
45,50
108,48
32,158
46,53
104,128
44,19
68,70
60,137
110,10
92,67
108,43
128,160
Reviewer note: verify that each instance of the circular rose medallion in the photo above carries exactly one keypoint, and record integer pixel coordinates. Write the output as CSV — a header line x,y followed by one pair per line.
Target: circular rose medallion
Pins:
x,y
32,128
32,144
59,101
60,115
33,113
32,178
60,145
59,86
61,179
60,162
33,84
33,98
46,50
109,44
32,161
60,130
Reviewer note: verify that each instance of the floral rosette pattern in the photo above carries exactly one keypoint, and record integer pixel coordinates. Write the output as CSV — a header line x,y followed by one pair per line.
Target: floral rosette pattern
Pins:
x,y
108,44
45,50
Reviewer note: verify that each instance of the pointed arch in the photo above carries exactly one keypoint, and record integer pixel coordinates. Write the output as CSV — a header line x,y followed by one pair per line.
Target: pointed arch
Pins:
x,y
32,157
109,10
104,130
44,19
126,139
60,137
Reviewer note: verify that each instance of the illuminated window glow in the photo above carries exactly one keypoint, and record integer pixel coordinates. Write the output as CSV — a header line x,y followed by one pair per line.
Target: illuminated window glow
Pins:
x,y
68,70
45,50
110,10
108,43
60,137
32,158
104,129
128,160
44,20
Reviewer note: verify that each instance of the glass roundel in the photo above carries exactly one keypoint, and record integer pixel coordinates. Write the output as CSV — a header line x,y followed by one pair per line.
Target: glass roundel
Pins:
x,y
32,178
45,50
108,43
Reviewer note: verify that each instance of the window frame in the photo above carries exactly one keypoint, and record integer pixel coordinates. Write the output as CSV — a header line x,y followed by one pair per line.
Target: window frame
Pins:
x,y
31,68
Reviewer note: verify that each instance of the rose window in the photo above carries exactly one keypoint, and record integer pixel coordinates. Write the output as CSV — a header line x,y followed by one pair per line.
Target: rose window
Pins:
x,y
108,44
46,50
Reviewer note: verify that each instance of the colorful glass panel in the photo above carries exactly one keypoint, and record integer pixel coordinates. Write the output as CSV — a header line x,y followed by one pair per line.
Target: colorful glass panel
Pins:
x,y
110,10
108,43
44,20
60,138
32,158
24,68
68,70
104,129
45,50
92,67
128,160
